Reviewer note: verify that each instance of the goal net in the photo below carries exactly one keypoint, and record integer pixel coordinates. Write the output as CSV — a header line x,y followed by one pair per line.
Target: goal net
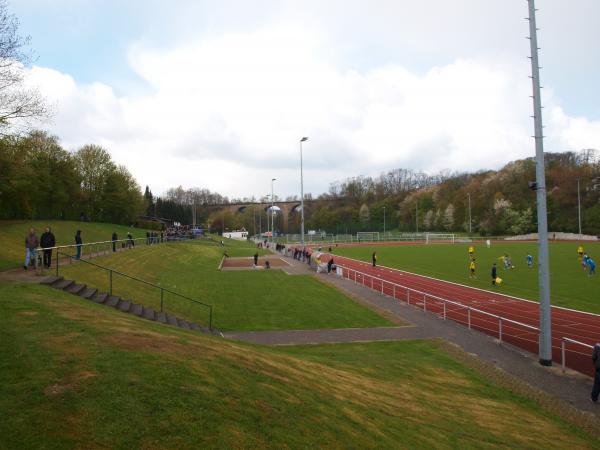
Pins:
x,y
439,237
367,236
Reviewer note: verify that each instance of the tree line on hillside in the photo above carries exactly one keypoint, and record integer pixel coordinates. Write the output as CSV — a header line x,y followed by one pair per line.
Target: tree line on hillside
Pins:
x,y
41,180
501,202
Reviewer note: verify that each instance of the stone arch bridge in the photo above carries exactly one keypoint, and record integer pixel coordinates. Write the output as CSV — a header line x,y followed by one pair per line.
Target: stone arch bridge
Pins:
x,y
286,208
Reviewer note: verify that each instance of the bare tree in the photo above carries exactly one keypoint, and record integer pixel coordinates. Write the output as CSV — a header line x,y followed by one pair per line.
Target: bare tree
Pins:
x,y
19,104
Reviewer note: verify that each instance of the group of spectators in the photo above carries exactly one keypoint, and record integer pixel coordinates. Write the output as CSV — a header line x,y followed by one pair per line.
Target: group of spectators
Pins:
x,y
47,243
153,237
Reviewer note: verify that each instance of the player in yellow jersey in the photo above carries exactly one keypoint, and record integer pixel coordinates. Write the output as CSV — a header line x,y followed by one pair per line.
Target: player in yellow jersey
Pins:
x,y
472,269
471,251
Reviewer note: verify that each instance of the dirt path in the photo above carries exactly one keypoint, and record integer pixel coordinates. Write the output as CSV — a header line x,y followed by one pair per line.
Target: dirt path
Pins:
x,y
330,336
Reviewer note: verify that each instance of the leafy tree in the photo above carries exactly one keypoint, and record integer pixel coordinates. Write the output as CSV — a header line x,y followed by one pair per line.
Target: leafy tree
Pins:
x,y
94,165
18,103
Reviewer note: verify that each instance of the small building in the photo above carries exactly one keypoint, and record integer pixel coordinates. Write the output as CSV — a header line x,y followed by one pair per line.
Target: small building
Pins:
x,y
240,235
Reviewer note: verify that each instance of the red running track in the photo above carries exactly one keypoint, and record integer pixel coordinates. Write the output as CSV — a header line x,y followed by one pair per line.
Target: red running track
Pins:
x,y
580,326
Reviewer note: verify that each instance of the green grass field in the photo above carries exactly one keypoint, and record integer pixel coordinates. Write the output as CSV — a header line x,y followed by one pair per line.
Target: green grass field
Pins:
x,y
570,285
74,374
12,236
243,300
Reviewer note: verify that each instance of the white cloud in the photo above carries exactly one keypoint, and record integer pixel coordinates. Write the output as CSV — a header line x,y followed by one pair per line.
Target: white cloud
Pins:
x,y
227,113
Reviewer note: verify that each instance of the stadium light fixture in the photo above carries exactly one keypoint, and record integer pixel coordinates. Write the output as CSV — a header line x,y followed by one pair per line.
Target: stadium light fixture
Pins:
x,y
304,139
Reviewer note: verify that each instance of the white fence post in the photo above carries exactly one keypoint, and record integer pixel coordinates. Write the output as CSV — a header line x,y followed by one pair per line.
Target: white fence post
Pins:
x,y
408,296
469,317
424,302
562,354
444,310
500,329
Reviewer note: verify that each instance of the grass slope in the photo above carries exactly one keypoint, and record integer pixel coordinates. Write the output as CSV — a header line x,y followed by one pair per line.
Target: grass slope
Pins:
x,y
570,285
243,300
74,374
12,235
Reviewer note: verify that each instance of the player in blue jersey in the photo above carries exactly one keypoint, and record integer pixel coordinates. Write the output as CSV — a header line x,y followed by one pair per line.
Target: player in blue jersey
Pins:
x,y
592,265
529,260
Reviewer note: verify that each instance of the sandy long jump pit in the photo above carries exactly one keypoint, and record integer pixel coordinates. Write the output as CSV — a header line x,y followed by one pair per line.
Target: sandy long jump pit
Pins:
x,y
247,263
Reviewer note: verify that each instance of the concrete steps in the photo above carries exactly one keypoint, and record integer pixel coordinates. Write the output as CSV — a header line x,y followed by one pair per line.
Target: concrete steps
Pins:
x,y
126,306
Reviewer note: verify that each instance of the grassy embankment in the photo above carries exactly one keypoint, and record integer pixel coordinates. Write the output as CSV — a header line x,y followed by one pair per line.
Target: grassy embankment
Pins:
x,y
13,232
570,285
243,300
74,374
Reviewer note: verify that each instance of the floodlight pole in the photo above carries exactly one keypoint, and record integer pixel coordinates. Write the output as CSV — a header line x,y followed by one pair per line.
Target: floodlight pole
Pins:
x,y
545,344
272,211
579,207
417,216
469,197
384,222
302,194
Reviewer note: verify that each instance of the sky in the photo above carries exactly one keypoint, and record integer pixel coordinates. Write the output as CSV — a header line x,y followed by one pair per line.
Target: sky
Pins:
x,y
218,94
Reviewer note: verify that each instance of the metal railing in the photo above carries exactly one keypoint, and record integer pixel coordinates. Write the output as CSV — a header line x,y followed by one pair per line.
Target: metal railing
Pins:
x,y
563,356
162,289
103,248
436,304
401,292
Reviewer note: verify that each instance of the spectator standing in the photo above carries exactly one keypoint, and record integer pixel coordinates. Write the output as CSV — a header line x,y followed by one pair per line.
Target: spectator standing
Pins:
x,y
494,274
46,242
79,243
256,259
596,361
329,265
374,258
147,238
130,241
115,238
31,244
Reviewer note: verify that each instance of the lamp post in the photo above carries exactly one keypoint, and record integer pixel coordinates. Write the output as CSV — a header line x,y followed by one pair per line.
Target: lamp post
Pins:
x,y
384,222
469,197
304,139
272,211
417,216
579,207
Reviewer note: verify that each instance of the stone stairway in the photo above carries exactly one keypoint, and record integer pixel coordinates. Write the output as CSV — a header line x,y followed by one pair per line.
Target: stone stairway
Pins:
x,y
126,306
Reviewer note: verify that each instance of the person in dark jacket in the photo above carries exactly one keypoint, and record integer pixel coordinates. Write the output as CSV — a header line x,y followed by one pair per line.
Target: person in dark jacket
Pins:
x,y
79,243
596,360
115,238
47,240
374,259
494,274
31,244
256,259
330,264
130,241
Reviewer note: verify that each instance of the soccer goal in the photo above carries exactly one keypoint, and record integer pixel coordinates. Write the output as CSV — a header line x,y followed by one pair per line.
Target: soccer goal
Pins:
x,y
367,236
439,237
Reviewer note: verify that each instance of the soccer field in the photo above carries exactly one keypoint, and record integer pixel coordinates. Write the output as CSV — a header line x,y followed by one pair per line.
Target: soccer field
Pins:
x,y
570,285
